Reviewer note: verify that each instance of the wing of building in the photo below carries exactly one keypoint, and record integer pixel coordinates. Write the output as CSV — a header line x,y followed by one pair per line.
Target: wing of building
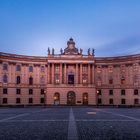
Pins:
x,y
69,78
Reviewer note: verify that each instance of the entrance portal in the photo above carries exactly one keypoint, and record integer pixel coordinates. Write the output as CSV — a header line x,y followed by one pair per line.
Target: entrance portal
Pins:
x,y
56,98
85,98
71,98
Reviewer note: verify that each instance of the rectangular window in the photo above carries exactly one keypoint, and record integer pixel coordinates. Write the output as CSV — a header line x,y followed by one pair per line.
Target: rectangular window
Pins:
x,y
4,101
5,91
110,101
136,92
42,91
57,69
110,81
99,101
122,92
136,101
57,78
42,100
30,100
123,81
122,101
18,100
71,79
5,67
18,91
110,92
99,92
30,91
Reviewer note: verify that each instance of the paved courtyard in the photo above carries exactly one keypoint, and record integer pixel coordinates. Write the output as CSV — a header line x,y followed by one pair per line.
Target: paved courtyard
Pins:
x,y
72,123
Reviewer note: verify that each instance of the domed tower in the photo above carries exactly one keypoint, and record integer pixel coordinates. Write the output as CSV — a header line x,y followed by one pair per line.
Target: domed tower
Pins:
x,y
71,49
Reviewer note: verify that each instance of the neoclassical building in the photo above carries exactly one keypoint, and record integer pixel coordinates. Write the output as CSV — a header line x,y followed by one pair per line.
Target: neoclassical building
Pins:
x,y
69,78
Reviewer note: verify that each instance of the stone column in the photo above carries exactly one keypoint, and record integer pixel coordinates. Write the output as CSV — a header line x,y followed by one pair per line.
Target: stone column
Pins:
x,y
52,73
48,73
76,74
93,73
65,74
81,74
89,74
60,73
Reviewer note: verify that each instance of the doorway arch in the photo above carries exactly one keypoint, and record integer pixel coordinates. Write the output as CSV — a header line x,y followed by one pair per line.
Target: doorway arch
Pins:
x,y
85,98
71,98
56,98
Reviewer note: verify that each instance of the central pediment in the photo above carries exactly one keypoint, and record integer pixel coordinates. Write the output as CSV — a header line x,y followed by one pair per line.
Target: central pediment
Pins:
x,y
71,49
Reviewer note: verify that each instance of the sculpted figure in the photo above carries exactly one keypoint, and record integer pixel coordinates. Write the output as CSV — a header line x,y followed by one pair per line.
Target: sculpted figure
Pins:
x,y
89,51
48,51
53,51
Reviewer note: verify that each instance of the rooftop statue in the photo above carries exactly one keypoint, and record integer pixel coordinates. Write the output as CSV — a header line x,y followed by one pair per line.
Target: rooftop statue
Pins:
x,y
48,51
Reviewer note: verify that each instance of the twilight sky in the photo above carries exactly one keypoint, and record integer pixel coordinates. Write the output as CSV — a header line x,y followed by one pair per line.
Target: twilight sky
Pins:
x,y
29,27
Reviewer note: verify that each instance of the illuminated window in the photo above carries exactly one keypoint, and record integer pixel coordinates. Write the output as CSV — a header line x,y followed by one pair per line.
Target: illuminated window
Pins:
x,y
122,80
110,69
98,69
57,69
84,69
57,78
85,78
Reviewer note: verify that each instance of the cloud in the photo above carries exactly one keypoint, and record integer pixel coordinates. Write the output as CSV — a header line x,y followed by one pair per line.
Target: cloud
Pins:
x,y
123,46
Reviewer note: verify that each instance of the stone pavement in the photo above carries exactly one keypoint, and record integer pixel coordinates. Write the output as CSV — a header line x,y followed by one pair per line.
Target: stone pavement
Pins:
x,y
69,123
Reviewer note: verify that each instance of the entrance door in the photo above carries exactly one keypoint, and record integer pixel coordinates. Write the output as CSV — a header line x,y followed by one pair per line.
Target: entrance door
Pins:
x,y
70,79
71,98
85,98
56,99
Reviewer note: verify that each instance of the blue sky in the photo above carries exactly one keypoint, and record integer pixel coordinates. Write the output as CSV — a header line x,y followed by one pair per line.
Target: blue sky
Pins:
x,y
29,27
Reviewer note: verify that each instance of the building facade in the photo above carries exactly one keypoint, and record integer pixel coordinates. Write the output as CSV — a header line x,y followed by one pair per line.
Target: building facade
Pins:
x,y
69,78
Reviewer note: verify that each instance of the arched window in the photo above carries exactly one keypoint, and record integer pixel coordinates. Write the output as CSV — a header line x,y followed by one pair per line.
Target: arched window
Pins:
x,y
5,67
30,68
18,68
18,79
5,78
30,81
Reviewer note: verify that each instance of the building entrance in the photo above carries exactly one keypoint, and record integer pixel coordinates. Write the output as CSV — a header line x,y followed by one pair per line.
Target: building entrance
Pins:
x,y
71,98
